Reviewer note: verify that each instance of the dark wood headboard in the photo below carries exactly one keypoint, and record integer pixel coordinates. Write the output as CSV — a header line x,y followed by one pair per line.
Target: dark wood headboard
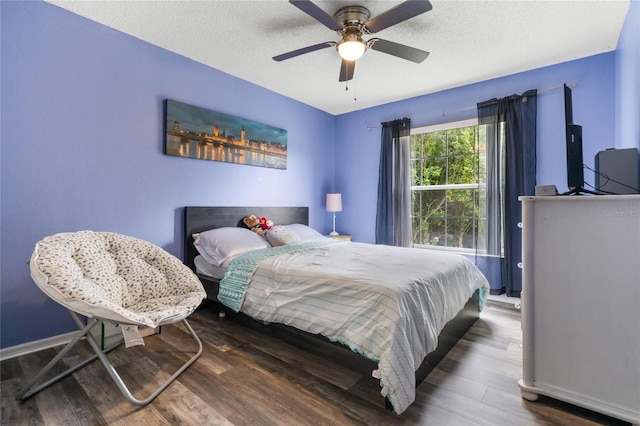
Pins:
x,y
199,219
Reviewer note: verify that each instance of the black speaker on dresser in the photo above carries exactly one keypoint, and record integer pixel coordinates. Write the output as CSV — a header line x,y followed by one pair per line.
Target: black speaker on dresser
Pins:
x,y
617,171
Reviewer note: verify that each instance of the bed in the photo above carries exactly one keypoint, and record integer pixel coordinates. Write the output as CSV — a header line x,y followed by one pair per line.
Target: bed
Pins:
x,y
333,289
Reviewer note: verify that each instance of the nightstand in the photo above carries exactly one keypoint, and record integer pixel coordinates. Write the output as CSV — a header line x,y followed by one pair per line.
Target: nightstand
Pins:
x,y
340,237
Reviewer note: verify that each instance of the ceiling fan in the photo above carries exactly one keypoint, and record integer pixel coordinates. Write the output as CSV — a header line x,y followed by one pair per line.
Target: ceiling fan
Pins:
x,y
352,22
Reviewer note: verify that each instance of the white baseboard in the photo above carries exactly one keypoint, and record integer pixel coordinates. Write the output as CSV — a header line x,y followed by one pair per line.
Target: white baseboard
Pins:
x,y
35,346
111,335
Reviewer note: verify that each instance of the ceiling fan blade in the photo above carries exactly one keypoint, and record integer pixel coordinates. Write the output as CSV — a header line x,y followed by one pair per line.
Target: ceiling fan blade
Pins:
x,y
318,14
346,70
396,49
395,15
303,50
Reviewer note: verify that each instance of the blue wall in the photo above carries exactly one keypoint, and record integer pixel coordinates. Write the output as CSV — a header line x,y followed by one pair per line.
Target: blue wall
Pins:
x,y
628,81
82,148
81,141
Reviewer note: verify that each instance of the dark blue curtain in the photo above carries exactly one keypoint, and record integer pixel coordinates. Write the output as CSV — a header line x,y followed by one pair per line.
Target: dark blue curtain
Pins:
x,y
511,168
393,217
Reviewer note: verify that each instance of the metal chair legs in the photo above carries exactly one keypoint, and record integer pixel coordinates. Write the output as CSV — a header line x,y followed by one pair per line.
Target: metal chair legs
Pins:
x,y
30,389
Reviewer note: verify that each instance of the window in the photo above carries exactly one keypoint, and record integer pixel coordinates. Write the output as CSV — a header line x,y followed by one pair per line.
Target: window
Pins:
x,y
448,192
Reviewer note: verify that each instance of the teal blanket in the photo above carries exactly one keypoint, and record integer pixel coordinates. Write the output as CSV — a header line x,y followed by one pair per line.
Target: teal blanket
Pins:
x,y
233,286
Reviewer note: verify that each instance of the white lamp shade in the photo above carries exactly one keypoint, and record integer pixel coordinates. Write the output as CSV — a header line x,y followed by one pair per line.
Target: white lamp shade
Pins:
x,y
351,50
334,202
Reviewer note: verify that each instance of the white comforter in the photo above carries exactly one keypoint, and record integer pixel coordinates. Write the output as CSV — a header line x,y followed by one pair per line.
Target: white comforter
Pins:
x,y
387,303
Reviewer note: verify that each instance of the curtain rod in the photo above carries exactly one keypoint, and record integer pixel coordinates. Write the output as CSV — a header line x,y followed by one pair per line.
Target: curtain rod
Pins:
x,y
451,111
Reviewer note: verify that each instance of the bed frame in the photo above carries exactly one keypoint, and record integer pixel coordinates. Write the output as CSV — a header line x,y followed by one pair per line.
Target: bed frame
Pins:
x,y
198,219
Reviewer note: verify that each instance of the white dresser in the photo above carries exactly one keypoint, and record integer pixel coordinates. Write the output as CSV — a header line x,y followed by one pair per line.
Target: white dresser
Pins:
x,y
581,302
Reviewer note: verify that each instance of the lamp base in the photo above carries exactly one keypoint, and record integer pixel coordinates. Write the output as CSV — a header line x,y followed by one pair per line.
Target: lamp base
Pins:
x,y
333,234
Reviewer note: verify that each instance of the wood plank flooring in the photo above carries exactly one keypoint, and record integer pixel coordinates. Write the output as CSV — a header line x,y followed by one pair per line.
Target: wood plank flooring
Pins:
x,y
246,377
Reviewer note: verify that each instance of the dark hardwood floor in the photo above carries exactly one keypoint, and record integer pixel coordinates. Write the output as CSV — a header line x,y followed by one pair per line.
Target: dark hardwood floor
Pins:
x,y
247,377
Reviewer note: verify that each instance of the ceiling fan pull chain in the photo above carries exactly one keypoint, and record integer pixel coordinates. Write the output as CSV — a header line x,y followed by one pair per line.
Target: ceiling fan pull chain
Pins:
x,y
346,82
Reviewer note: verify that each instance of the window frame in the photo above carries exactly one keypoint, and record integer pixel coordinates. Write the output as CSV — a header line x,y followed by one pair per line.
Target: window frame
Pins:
x,y
478,186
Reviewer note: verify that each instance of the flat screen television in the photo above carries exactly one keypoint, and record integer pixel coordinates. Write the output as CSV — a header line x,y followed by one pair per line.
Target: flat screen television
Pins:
x,y
575,164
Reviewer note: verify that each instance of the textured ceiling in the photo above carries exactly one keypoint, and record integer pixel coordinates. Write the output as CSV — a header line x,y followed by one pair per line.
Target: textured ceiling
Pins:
x,y
468,41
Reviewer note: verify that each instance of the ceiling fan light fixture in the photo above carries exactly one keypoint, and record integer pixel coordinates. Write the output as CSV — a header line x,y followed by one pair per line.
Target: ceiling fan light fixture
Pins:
x,y
351,50
351,47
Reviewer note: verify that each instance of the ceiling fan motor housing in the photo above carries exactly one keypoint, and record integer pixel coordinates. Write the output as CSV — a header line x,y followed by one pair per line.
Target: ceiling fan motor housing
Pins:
x,y
352,16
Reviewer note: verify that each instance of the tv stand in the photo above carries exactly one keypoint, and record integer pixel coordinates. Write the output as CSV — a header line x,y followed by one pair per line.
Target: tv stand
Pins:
x,y
580,191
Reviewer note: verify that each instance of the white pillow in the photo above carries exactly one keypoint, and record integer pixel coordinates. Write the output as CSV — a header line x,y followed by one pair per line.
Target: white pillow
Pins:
x,y
206,268
304,232
217,245
279,236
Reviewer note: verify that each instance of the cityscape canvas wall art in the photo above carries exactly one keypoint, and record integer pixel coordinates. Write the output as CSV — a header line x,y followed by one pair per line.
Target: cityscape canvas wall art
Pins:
x,y
200,133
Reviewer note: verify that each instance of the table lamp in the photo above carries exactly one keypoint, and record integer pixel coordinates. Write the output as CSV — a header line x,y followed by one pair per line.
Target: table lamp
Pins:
x,y
334,204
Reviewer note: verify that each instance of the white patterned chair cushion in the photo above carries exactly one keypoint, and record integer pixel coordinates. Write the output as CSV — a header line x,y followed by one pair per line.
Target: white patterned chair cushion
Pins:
x,y
115,277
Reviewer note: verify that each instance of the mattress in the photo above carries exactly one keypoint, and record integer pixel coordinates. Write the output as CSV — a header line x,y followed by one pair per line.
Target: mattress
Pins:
x,y
386,303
